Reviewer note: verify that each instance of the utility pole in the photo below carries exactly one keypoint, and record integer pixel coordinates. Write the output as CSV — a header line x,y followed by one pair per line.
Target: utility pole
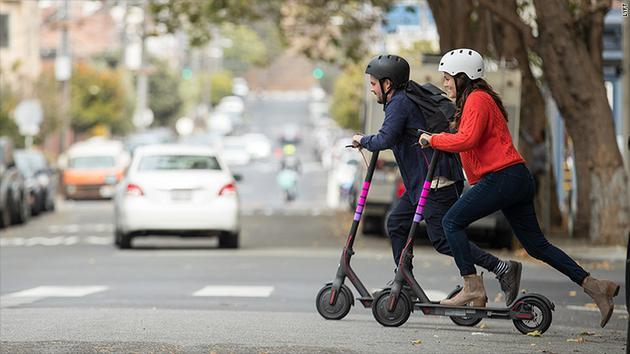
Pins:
x,y
63,70
140,118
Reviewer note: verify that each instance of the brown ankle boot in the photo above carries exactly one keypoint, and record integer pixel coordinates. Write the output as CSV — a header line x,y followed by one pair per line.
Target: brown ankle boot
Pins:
x,y
602,292
473,292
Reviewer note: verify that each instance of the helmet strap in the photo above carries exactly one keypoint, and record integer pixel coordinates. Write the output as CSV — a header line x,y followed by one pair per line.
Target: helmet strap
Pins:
x,y
385,94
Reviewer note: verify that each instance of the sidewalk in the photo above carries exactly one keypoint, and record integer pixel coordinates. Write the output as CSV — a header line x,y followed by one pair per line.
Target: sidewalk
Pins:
x,y
583,250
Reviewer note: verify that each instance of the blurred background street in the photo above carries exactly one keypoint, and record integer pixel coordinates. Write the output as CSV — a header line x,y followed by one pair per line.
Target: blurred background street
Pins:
x,y
179,185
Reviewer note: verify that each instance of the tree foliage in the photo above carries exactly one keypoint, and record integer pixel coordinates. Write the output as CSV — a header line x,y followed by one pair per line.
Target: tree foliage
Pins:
x,y
560,35
330,30
246,49
197,17
7,124
97,98
164,98
348,97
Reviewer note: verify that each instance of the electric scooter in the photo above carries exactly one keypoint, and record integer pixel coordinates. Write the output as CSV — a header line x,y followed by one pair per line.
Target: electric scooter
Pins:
x,y
334,300
392,306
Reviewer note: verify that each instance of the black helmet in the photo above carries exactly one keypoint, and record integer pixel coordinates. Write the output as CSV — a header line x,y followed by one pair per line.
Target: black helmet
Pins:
x,y
389,66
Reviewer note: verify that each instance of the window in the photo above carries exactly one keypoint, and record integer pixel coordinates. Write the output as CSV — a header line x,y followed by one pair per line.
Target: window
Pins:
x,y
178,162
4,30
89,162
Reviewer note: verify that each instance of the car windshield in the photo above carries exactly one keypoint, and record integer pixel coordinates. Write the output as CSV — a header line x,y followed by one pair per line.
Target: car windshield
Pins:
x,y
178,162
92,162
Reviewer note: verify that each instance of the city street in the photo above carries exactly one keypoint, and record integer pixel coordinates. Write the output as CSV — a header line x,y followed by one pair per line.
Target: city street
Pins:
x,y
64,287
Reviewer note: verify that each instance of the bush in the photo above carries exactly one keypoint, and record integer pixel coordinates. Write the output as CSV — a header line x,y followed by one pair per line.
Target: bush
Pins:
x,y
348,97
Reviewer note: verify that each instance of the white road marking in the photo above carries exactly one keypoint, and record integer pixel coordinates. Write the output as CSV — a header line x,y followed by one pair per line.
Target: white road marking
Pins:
x,y
41,292
61,240
234,291
96,240
76,228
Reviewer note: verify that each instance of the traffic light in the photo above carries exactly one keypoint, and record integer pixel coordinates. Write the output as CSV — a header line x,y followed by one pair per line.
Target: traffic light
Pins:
x,y
318,73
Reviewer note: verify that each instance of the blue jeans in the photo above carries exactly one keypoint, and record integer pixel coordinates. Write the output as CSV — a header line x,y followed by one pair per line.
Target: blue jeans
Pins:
x,y
438,203
510,190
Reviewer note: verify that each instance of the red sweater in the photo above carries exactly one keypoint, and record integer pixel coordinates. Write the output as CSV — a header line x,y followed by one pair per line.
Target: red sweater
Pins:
x,y
483,138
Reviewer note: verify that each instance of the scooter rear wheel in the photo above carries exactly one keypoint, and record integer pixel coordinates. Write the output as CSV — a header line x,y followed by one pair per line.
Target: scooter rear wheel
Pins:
x,y
463,321
542,316
399,316
340,308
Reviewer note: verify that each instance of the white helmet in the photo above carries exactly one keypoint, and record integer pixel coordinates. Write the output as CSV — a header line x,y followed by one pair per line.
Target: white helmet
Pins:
x,y
462,60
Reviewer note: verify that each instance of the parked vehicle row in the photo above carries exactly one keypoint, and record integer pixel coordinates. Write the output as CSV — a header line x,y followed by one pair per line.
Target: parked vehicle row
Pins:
x,y
28,184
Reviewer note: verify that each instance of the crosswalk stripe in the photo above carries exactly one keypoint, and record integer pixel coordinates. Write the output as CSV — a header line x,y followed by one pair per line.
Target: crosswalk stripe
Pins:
x,y
61,240
234,291
77,228
42,292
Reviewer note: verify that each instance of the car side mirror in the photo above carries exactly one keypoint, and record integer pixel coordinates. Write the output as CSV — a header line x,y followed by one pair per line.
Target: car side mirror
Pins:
x,y
238,177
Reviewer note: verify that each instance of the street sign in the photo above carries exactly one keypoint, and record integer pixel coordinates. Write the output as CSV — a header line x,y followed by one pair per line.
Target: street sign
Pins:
x,y
28,117
63,68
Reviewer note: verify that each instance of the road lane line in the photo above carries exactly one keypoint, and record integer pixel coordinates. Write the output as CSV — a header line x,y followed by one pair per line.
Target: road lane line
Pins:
x,y
99,240
234,291
42,292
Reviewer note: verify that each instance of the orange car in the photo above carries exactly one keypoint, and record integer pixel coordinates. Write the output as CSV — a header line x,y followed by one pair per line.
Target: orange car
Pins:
x,y
93,168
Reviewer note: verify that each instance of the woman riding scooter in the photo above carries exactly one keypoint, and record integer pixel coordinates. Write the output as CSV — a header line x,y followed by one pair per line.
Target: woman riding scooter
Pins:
x,y
500,180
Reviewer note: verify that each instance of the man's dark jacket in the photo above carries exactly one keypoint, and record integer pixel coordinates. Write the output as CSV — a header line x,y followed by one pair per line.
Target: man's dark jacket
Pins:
x,y
400,114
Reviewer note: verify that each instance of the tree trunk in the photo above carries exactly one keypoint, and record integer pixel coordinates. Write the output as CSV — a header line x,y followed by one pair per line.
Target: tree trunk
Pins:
x,y
576,85
496,39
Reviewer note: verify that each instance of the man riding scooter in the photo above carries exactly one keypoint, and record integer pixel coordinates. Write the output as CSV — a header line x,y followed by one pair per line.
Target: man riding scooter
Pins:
x,y
388,76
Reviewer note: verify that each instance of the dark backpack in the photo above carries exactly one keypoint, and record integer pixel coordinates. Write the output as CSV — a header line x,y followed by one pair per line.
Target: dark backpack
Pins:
x,y
438,110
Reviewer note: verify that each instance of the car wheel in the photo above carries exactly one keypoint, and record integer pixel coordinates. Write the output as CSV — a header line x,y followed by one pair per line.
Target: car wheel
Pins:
x,y
117,236
23,212
503,235
51,205
228,240
124,241
5,217
374,225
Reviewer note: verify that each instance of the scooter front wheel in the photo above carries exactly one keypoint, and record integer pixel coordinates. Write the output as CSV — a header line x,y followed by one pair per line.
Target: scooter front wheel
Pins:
x,y
541,315
462,321
340,308
395,318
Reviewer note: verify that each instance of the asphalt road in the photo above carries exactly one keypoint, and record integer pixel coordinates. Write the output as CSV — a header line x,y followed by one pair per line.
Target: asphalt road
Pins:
x,y
65,288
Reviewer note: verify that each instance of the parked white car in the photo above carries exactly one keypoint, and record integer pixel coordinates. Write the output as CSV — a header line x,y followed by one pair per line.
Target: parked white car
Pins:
x,y
177,190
